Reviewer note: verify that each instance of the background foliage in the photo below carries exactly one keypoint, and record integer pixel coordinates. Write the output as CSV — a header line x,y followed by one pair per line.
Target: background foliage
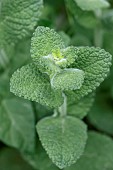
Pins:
x,y
78,25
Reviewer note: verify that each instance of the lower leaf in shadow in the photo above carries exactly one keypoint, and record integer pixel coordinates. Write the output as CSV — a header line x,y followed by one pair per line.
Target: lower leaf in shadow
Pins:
x,y
10,159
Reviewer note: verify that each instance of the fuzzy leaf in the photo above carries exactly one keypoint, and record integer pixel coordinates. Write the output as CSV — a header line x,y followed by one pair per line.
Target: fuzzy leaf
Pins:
x,y
68,79
29,83
92,4
17,124
69,56
63,138
18,18
98,154
81,108
44,42
95,63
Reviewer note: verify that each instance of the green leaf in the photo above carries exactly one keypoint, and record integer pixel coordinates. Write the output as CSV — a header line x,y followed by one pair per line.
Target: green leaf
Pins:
x,y
11,159
21,55
39,159
68,79
29,83
92,4
17,124
95,63
6,53
86,19
65,37
4,86
101,114
80,40
18,18
107,19
63,138
69,55
4,59
42,111
98,154
81,108
44,42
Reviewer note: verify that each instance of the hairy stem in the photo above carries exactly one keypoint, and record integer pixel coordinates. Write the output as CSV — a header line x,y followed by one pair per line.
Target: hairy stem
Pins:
x,y
55,113
63,108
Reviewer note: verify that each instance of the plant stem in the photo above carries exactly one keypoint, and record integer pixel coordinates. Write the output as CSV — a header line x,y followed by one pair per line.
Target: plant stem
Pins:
x,y
63,109
55,113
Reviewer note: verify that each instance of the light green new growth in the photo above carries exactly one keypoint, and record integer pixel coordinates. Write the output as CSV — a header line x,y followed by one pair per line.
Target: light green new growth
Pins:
x,y
18,18
64,139
45,45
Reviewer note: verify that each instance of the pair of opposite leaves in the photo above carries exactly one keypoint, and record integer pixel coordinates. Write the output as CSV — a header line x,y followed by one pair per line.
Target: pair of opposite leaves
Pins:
x,y
53,69
75,70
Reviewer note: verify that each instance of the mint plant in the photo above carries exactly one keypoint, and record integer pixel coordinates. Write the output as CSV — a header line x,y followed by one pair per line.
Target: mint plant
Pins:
x,y
56,72
56,88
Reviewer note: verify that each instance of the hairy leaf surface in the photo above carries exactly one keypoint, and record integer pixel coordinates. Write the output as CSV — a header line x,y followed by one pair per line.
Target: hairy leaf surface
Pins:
x,y
18,18
44,41
68,79
29,83
95,63
81,108
63,138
